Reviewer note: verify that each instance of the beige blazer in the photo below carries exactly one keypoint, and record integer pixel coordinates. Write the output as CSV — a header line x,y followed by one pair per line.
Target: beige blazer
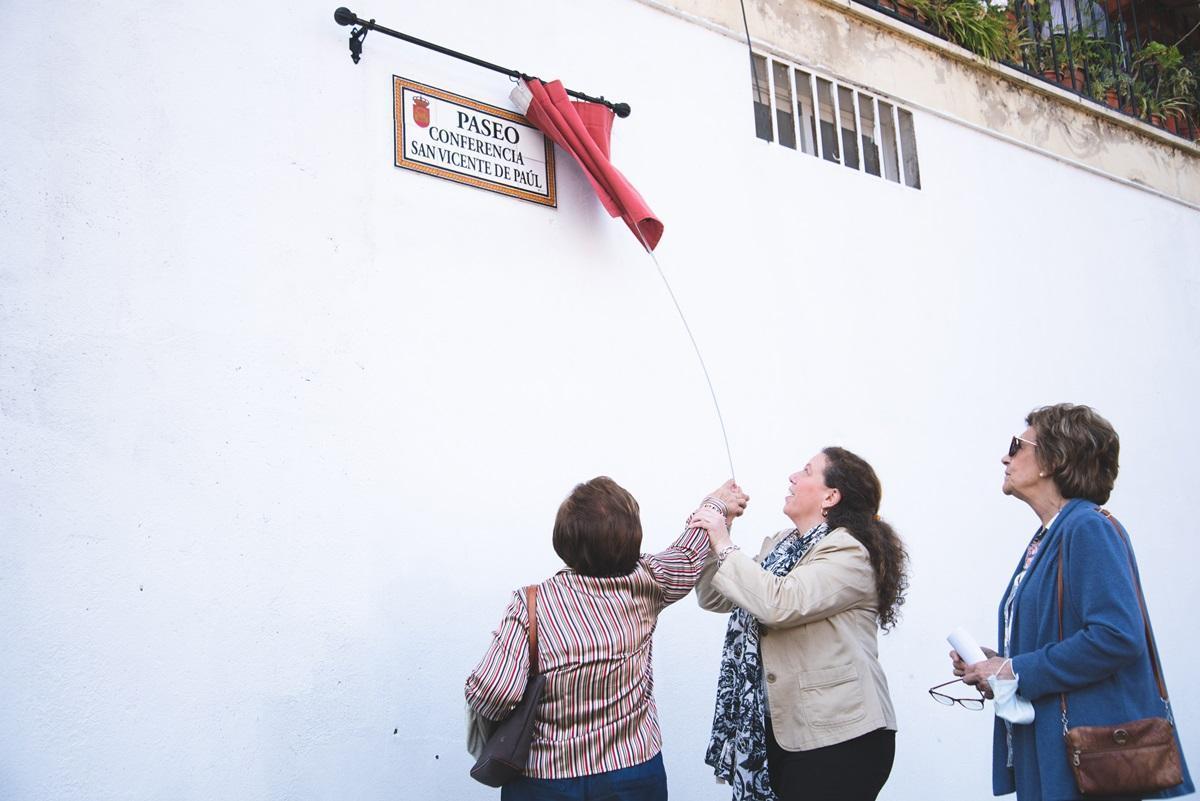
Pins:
x,y
818,629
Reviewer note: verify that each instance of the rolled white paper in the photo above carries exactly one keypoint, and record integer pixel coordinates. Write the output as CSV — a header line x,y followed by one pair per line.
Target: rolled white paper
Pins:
x,y
962,641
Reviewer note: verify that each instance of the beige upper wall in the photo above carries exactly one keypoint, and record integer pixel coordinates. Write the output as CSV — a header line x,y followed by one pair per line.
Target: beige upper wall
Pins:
x,y
857,44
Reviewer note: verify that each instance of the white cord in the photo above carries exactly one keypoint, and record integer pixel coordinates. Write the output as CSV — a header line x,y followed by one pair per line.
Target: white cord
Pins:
x,y
695,347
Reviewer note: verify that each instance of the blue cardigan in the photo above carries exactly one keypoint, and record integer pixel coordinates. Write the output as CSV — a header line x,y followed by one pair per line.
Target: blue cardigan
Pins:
x,y
1101,664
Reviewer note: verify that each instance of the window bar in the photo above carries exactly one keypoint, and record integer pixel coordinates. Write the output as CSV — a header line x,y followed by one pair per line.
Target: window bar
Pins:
x,y
837,120
899,145
796,110
816,98
878,134
862,151
910,138
762,103
771,98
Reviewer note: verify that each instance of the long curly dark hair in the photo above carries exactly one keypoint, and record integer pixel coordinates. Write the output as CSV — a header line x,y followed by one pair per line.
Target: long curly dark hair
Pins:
x,y
858,512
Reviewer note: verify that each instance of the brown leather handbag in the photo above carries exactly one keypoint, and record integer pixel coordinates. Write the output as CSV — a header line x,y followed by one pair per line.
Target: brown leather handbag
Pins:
x,y
506,752
1127,759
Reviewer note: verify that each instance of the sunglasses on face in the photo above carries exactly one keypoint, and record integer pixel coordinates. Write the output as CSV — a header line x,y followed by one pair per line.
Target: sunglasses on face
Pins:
x,y
1015,445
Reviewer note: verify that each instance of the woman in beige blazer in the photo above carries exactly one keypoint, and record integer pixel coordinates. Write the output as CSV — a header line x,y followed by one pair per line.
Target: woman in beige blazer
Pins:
x,y
803,710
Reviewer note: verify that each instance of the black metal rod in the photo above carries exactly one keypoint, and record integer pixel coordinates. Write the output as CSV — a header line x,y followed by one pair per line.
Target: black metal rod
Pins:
x,y
1036,32
1066,41
1084,64
1137,45
344,16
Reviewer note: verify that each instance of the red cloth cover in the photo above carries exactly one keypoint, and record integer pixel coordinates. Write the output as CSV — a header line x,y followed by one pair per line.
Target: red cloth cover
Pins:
x,y
583,130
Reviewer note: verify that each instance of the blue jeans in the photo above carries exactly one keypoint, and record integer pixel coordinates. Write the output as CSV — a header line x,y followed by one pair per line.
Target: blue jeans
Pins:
x,y
644,782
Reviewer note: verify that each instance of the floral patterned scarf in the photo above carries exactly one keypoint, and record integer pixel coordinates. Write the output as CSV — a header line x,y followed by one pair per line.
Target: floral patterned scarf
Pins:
x,y
738,748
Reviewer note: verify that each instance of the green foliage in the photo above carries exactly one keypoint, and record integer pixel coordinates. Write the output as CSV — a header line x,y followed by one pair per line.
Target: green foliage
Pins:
x,y
981,28
1193,65
1158,79
1163,82
1079,48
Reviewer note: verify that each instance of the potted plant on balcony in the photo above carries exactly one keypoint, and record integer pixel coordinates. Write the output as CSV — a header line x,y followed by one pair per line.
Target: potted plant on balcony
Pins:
x,y
1164,112
1046,48
1076,60
1151,109
1176,111
1057,67
984,29
908,10
1181,88
1110,87
1104,90
1193,63
1168,85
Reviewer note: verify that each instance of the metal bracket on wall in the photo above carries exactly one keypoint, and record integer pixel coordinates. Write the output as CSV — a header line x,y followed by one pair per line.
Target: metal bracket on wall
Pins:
x,y
344,16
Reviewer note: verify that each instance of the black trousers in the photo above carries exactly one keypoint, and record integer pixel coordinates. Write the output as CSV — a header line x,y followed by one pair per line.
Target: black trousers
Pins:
x,y
855,770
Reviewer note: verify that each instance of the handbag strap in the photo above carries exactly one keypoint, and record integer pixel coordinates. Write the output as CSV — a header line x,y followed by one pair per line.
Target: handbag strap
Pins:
x,y
1162,685
1151,645
531,603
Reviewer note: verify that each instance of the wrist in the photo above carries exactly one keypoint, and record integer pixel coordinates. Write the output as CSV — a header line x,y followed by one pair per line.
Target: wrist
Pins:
x,y
724,551
719,542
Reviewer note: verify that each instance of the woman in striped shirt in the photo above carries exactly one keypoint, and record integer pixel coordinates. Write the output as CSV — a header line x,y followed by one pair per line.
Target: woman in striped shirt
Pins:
x,y
597,733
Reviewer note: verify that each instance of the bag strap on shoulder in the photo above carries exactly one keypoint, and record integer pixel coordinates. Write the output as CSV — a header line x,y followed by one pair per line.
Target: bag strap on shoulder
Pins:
x,y
1151,645
531,604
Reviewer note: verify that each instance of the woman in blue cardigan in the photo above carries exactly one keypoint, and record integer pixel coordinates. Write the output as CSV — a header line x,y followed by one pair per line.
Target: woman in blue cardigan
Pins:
x,y
1064,466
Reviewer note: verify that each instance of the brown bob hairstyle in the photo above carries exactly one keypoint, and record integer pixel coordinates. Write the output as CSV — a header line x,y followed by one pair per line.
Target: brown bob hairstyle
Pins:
x,y
1078,449
598,530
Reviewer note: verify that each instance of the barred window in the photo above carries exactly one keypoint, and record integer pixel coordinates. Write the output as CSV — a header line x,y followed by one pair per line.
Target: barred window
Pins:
x,y
814,114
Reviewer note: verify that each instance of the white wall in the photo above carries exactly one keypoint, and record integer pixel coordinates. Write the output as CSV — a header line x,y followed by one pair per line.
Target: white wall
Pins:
x,y
283,425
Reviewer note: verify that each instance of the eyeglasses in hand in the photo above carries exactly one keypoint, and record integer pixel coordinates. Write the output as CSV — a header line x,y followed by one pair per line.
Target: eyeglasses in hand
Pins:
x,y
974,704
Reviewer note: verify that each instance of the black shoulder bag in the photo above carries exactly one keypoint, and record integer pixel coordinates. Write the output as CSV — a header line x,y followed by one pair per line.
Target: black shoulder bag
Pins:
x,y
507,751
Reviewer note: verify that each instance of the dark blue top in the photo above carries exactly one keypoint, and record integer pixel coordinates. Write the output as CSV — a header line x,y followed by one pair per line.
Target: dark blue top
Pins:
x,y
1102,663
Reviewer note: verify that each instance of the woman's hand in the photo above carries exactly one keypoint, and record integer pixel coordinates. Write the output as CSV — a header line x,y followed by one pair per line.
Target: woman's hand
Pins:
x,y
714,523
734,499
960,667
977,674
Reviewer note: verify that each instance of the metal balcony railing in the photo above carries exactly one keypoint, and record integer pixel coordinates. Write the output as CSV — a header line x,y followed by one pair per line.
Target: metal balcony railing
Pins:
x,y
1139,57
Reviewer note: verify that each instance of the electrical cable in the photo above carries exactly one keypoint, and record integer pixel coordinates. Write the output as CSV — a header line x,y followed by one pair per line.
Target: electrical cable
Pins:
x,y
749,49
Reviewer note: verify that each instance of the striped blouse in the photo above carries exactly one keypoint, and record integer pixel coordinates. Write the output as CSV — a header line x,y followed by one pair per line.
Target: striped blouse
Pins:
x,y
594,645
